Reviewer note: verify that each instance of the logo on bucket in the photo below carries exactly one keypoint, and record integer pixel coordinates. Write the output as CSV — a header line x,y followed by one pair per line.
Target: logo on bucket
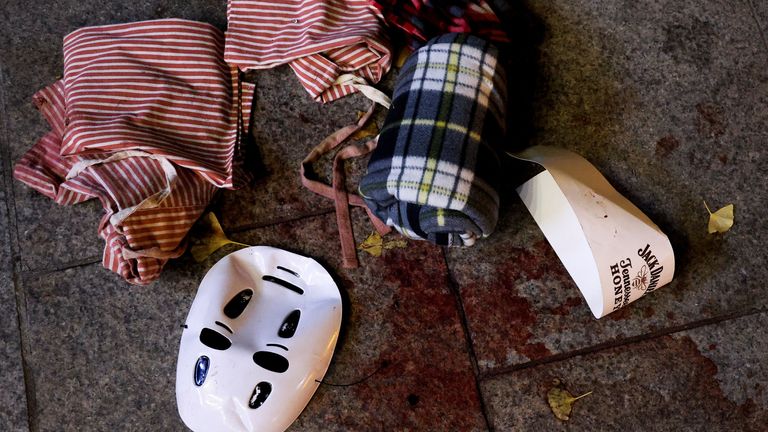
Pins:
x,y
649,277
622,283
629,284
640,282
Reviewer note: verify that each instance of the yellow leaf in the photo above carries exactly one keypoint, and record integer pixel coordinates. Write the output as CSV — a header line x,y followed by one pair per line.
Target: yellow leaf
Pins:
x,y
402,55
208,237
561,401
395,244
368,130
375,245
721,220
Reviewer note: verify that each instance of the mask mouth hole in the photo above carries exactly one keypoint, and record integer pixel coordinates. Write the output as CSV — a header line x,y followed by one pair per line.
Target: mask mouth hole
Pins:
x,y
260,394
237,304
271,361
214,340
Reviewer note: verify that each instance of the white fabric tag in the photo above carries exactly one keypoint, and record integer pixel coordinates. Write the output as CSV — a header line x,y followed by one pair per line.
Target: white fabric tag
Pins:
x,y
368,91
151,201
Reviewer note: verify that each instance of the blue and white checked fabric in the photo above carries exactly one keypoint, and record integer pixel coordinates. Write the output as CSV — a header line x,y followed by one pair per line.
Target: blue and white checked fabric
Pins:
x,y
434,174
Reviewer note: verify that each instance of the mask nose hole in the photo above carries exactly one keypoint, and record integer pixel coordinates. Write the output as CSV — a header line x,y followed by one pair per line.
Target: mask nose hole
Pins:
x,y
271,361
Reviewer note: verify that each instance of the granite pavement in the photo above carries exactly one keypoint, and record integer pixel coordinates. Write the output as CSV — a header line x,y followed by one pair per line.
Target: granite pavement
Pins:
x,y
668,99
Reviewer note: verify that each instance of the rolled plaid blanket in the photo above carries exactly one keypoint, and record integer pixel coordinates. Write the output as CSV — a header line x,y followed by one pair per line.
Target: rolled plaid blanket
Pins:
x,y
434,174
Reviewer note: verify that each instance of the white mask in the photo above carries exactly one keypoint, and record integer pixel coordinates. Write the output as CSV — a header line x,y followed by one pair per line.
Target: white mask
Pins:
x,y
259,335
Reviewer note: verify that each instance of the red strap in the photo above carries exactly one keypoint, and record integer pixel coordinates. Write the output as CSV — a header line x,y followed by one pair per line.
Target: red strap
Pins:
x,y
338,192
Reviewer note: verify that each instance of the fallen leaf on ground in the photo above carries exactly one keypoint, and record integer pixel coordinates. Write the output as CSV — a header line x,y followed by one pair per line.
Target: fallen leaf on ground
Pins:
x,y
402,55
369,130
721,220
561,400
208,238
375,244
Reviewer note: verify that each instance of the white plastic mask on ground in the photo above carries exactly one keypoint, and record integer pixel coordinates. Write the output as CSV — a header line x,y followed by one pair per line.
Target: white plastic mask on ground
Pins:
x,y
260,332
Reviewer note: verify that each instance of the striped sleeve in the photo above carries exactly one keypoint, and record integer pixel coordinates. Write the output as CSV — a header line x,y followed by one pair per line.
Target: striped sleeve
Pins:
x,y
319,39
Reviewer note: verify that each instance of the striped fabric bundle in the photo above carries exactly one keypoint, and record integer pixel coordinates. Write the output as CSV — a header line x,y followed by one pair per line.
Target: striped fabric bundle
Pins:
x,y
435,172
145,120
158,87
333,46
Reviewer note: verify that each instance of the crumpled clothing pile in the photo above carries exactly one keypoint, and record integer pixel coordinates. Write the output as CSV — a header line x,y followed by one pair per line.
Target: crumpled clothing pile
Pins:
x,y
148,119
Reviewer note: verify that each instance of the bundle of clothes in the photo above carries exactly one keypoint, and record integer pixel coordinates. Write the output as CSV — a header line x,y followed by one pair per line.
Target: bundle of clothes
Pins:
x,y
151,119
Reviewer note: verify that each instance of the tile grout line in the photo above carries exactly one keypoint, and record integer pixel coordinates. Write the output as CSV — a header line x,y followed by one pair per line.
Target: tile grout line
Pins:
x,y
96,259
759,27
623,342
64,266
13,237
454,287
270,223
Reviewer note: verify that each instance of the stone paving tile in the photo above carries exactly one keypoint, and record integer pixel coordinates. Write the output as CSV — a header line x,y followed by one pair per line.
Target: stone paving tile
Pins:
x,y
403,319
287,124
668,102
102,354
710,378
760,10
13,402
31,59
116,345
52,236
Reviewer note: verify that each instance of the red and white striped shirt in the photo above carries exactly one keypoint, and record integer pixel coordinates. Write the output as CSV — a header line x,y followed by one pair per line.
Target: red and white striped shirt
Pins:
x,y
138,246
136,97
160,87
321,40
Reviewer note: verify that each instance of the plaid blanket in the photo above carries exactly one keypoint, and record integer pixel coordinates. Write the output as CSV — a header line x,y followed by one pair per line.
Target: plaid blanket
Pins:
x,y
435,170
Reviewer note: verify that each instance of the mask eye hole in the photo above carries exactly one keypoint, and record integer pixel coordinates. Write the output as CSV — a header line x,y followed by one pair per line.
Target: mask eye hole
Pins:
x,y
201,370
237,305
214,340
271,361
291,322
260,394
